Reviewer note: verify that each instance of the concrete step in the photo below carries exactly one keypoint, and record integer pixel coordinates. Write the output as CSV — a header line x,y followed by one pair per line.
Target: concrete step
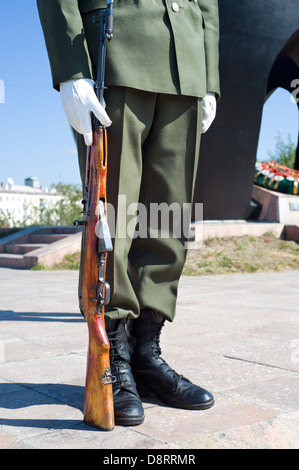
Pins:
x,y
46,237
39,246
59,230
9,260
21,248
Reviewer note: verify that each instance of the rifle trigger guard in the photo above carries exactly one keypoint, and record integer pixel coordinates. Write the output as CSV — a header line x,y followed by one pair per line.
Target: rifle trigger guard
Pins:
x,y
108,378
104,299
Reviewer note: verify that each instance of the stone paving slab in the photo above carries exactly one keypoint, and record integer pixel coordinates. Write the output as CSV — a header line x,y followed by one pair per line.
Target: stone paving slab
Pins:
x,y
237,335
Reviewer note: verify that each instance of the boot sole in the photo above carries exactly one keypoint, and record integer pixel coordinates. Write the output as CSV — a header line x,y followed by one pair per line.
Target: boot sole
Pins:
x,y
143,391
129,421
199,406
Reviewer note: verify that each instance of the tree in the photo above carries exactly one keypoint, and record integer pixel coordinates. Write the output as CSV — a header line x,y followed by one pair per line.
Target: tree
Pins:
x,y
6,219
284,153
69,207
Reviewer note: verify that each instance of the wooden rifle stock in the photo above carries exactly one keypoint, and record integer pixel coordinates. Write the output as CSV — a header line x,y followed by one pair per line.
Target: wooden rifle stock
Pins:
x,y
98,405
95,291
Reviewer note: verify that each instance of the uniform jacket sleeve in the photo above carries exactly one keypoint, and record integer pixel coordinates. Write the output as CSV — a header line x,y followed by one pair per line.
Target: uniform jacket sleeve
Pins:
x,y
210,13
65,41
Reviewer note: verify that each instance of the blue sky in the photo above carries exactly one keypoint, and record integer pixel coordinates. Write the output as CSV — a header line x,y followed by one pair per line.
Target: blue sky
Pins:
x,y
280,114
35,137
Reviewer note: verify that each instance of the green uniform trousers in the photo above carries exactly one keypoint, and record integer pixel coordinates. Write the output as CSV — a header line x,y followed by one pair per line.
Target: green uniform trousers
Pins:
x,y
153,149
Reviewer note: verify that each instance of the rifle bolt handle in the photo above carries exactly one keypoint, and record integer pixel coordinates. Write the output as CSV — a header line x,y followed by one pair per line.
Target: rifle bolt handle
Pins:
x,y
77,223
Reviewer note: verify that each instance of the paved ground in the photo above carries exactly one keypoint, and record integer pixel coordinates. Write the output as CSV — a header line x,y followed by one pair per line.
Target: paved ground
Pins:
x,y
237,335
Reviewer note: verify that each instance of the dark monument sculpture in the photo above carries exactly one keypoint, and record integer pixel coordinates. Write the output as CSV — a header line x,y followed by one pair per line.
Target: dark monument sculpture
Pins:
x,y
259,52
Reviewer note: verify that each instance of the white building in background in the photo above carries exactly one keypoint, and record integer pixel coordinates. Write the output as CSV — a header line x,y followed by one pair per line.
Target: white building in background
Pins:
x,y
19,204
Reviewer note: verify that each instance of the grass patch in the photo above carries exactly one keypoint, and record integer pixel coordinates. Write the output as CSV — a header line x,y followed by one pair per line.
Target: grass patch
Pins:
x,y
246,254
71,262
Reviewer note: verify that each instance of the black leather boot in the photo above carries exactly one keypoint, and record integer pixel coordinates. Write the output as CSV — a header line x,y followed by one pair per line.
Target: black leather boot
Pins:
x,y
128,410
153,374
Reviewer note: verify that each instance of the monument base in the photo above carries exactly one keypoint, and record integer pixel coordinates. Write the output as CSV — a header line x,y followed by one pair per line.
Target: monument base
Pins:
x,y
276,207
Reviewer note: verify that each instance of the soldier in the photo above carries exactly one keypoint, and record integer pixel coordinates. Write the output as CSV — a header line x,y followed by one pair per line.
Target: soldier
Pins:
x,y
163,84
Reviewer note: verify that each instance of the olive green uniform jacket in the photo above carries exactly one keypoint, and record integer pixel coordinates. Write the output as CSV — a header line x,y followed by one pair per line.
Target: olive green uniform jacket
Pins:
x,y
173,45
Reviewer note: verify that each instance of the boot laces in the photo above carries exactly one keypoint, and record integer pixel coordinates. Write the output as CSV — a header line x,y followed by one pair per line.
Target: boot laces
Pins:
x,y
158,351
119,364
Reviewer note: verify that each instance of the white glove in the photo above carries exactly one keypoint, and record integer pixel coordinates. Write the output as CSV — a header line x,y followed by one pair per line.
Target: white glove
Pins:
x,y
209,111
79,100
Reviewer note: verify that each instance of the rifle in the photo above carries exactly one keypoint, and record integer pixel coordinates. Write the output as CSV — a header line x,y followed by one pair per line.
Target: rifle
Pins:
x,y
96,243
